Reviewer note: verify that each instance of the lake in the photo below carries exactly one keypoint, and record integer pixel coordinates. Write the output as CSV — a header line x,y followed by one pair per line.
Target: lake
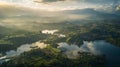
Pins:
x,y
99,47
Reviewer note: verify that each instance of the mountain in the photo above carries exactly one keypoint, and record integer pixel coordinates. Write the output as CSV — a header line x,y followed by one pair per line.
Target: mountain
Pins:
x,y
93,14
81,11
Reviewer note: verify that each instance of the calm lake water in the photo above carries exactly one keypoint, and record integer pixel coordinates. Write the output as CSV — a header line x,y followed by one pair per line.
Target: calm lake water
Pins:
x,y
100,47
111,52
21,49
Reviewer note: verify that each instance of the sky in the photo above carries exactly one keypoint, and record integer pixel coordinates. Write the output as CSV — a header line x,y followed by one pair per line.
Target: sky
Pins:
x,y
56,5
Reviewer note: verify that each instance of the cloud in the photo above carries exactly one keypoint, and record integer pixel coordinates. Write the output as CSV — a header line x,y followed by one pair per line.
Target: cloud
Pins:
x,y
105,5
51,0
65,4
90,1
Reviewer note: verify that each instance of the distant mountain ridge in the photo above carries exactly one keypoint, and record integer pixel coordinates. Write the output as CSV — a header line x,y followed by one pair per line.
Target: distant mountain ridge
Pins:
x,y
93,13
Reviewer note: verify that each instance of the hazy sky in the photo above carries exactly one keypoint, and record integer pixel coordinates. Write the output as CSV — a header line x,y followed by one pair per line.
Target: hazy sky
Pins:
x,y
55,5
13,13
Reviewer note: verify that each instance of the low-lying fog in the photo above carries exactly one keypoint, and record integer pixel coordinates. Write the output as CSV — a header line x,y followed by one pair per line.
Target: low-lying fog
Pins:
x,y
53,32
26,18
49,31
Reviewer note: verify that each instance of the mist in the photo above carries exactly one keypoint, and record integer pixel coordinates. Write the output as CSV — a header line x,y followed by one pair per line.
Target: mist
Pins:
x,y
25,18
30,19
49,31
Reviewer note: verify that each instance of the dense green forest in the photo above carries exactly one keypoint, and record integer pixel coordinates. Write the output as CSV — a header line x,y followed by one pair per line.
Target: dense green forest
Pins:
x,y
51,56
75,33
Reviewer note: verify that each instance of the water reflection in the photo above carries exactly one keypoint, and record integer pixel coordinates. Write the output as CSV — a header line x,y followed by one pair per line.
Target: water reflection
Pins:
x,y
111,52
21,49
